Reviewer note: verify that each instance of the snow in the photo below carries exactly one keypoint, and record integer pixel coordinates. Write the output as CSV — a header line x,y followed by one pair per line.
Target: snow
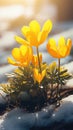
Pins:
x,y
17,119
9,12
69,67
7,39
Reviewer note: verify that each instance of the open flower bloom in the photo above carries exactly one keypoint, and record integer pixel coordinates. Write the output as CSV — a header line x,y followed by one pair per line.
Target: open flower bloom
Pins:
x,y
35,59
61,50
22,56
35,36
39,76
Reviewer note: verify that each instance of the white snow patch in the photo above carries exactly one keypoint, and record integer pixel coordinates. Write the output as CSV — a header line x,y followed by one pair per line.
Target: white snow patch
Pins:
x,y
2,120
19,118
69,98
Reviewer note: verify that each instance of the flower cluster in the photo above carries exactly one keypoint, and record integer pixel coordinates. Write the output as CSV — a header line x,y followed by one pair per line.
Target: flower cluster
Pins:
x,y
35,37
24,55
34,83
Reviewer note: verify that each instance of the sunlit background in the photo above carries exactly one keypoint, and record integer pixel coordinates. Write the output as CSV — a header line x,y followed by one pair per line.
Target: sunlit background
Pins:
x,y
16,13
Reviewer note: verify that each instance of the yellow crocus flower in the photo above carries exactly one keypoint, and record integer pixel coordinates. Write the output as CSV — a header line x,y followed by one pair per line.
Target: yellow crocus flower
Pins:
x,y
61,50
35,59
39,76
22,56
35,36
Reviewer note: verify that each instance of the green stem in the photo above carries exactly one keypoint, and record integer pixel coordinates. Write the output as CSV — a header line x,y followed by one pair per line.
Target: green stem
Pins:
x,y
58,66
58,93
38,59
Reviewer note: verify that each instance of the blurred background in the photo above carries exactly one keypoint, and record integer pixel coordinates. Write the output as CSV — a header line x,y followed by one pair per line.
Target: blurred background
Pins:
x,y
16,13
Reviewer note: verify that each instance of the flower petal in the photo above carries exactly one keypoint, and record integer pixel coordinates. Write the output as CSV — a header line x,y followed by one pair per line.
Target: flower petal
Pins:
x,y
34,31
51,45
54,53
62,51
26,54
21,40
23,50
16,54
47,26
25,64
26,32
43,73
39,76
52,48
61,42
10,61
35,73
34,27
30,52
33,39
62,47
35,59
45,31
69,45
